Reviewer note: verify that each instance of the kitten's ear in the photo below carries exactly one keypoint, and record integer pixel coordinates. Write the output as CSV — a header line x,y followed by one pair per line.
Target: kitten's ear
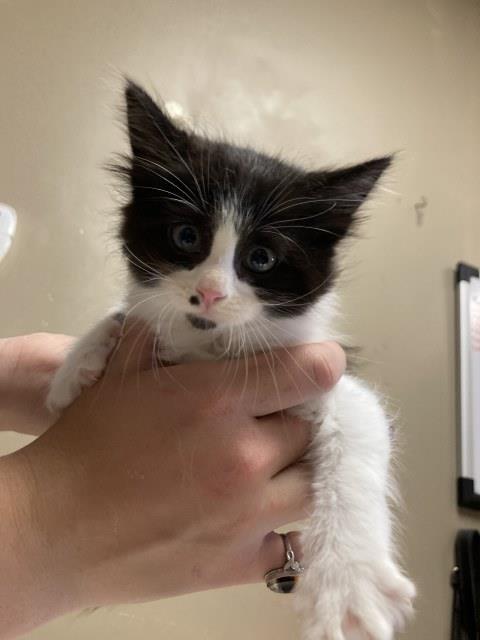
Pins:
x,y
345,190
151,131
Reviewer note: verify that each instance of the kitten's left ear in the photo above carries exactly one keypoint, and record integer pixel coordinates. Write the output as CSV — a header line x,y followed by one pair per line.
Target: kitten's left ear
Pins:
x,y
151,131
345,190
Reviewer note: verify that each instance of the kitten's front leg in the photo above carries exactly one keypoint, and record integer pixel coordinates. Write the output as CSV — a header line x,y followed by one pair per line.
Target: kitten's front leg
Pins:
x,y
352,588
85,364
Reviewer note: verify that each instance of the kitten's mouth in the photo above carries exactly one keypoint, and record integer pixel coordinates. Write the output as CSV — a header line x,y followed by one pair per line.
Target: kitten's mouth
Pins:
x,y
200,323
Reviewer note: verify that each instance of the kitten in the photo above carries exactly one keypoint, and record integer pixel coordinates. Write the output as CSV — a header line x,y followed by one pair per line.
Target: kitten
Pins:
x,y
230,249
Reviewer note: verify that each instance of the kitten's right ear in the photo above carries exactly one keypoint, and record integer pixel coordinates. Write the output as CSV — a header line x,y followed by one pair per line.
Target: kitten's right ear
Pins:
x,y
151,131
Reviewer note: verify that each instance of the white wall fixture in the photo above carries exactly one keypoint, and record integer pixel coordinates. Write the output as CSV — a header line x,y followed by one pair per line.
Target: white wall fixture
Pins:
x,y
468,329
8,225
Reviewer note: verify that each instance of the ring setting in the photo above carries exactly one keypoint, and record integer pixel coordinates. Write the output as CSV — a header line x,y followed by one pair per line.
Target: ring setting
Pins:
x,y
284,579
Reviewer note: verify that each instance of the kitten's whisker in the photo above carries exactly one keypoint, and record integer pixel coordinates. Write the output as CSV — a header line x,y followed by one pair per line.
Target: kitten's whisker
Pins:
x,y
286,181
271,347
165,367
147,336
139,262
301,218
202,177
278,344
156,322
152,275
144,332
254,350
228,370
225,355
170,328
178,154
174,175
154,357
143,300
281,226
101,382
308,201
308,293
269,358
177,193
171,197
287,239
253,355
149,272
245,359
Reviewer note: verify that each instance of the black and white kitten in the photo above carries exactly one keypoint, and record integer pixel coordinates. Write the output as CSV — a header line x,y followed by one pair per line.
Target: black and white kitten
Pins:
x,y
232,250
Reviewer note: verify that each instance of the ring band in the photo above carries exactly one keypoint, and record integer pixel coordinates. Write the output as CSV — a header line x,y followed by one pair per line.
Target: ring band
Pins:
x,y
284,579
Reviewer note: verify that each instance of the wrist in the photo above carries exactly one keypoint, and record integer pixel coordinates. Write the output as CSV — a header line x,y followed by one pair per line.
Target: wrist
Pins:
x,y
37,585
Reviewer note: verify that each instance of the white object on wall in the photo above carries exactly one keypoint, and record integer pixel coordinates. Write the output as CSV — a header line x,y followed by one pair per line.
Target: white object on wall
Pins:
x,y
468,327
8,225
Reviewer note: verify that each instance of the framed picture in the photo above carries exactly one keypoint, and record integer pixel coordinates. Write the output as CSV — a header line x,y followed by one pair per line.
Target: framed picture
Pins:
x,y
468,332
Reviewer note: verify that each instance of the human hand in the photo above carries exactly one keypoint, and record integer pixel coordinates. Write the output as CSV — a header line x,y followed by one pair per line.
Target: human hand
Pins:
x,y
27,365
154,484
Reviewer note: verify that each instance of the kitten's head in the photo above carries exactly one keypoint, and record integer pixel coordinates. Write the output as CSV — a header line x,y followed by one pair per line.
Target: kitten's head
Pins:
x,y
223,236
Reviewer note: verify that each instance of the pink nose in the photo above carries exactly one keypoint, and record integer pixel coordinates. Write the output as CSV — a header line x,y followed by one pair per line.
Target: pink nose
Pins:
x,y
209,296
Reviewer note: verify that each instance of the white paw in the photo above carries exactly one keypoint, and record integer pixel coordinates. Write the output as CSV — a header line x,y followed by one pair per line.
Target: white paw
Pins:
x,y
368,602
85,364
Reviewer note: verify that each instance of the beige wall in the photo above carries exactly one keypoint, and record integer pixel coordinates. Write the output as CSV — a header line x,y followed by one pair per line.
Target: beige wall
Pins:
x,y
326,81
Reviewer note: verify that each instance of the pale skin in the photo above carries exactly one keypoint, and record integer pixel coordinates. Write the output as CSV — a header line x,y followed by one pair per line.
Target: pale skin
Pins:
x,y
153,483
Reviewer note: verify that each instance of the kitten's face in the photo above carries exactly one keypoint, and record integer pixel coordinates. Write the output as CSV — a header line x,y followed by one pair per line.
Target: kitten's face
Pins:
x,y
219,236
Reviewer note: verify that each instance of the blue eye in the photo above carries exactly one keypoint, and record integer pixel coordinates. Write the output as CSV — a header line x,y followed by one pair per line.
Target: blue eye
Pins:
x,y
186,237
260,259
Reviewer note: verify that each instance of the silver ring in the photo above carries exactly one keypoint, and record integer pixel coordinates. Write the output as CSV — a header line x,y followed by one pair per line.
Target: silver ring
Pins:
x,y
284,579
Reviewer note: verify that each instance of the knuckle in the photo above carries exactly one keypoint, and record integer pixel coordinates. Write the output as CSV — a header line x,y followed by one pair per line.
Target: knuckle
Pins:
x,y
236,471
249,460
322,364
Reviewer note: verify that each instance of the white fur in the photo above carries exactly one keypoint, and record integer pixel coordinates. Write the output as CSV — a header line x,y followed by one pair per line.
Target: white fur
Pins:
x,y
84,365
352,588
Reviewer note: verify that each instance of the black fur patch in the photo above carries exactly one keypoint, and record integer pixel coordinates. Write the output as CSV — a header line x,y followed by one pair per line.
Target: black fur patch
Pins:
x,y
200,323
177,177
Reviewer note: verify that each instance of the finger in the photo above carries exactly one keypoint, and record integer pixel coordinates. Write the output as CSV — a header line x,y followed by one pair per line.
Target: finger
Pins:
x,y
288,497
280,439
268,383
134,350
272,554
288,377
